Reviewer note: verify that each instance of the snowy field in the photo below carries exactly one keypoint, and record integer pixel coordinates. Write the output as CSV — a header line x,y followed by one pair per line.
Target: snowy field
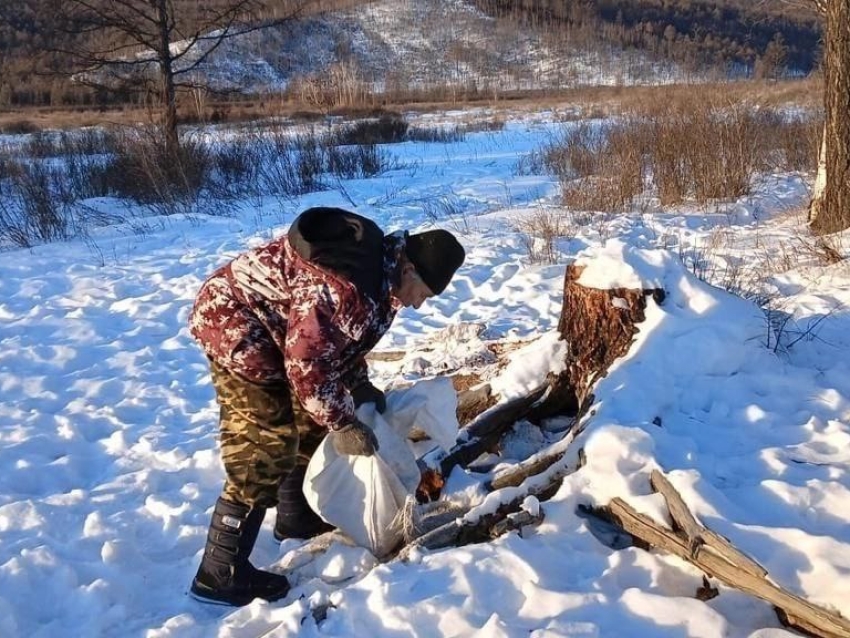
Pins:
x,y
108,425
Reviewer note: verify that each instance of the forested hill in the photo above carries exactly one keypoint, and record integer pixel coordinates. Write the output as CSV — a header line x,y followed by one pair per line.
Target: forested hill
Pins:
x,y
770,37
430,48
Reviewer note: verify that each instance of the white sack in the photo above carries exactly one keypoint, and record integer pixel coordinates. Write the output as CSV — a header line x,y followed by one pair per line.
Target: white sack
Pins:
x,y
362,495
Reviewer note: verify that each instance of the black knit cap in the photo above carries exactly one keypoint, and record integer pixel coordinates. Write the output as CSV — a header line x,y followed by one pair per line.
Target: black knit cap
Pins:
x,y
436,254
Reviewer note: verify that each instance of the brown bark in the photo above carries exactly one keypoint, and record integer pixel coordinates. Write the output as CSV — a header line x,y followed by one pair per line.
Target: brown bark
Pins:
x,y
484,432
166,75
599,327
716,556
833,211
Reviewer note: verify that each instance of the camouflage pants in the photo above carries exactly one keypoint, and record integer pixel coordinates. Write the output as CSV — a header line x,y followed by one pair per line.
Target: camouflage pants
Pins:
x,y
265,433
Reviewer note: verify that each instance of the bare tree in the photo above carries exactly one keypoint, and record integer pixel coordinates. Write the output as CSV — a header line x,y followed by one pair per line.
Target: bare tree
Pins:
x,y
115,44
829,210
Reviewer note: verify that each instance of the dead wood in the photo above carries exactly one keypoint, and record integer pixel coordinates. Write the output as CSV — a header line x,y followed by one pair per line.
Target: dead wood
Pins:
x,y
480,524
516,522
516,474
474,401
482,434
716,556
695,533
599,327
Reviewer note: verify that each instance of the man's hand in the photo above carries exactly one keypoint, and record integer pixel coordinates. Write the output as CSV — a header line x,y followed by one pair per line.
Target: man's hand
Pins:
x,y
367,393
355,438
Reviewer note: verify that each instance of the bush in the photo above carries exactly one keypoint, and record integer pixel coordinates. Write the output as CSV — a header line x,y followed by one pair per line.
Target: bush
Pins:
x,y
696,148
19,127
797,141
387,129
578,153
143,170
600,167
30,210
435,134
40,194
356,162
540,233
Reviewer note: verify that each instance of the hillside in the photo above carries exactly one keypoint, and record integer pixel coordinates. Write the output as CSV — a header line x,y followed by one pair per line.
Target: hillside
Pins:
x,y
767,39
411,45
473,46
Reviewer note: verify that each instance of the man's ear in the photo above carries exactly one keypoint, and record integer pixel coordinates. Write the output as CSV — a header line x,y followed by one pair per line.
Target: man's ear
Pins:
x,y
407,268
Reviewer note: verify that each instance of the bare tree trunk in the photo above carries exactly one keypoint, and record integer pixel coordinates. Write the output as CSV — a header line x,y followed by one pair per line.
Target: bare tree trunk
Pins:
x,y
166,72
834,212
816,205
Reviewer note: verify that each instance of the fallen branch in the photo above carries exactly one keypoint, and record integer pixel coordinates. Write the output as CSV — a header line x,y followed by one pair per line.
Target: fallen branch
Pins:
x,y
536,464
698,534
716,556
490,518
484,432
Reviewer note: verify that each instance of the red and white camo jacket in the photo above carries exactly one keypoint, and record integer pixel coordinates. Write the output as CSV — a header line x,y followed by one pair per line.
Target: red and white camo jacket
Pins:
x,y
270,315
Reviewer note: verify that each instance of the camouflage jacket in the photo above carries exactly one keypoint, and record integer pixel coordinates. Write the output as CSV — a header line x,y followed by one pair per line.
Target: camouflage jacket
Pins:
x,y
273,315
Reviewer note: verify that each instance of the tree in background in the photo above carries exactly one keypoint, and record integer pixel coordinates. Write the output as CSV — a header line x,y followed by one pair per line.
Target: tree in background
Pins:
x,y
140,45
771,64
829,210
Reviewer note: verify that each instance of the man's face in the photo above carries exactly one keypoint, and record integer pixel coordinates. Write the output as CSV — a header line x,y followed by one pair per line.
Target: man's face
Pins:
x,y
412,291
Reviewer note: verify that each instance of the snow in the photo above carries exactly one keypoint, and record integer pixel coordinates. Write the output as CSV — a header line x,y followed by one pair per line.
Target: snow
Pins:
x,y
108,425
388,44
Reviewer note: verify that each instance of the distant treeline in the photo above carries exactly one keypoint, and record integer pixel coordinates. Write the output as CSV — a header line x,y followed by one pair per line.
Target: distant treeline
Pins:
x,y
730,38
764,39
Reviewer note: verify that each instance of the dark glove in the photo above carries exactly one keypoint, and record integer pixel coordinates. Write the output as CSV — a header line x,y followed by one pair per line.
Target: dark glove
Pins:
x,y
355,438
367,393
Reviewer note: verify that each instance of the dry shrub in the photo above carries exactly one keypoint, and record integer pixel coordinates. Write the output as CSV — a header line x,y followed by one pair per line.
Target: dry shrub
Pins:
x,y
32,208
540,233
702,147
284,163
578,153
447,209
796,140
484,126
144,170
389,128
825,250
436,134
599,167
19,127
699,146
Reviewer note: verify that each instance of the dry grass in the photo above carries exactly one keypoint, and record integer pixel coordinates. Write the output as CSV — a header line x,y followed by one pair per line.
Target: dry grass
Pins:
x,y
824,250
698,146
541,232
584,102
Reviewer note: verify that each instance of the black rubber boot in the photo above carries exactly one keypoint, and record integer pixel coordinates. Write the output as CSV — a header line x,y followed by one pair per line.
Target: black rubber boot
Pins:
x,y
225,575
295,518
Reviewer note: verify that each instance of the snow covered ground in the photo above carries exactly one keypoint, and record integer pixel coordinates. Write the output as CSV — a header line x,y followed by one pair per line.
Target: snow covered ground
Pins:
x,y
108,426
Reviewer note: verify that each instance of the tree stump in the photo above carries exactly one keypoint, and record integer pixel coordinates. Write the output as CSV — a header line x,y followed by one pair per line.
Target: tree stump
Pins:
x,y
599,327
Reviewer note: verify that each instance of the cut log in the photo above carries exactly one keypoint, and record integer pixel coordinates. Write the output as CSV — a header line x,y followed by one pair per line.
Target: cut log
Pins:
x,y
599,327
